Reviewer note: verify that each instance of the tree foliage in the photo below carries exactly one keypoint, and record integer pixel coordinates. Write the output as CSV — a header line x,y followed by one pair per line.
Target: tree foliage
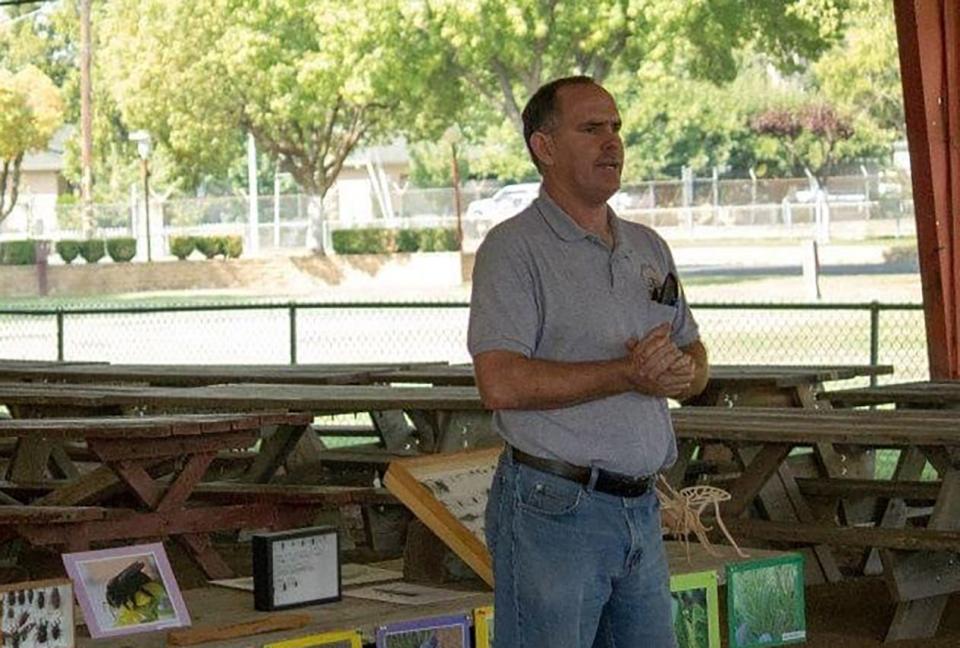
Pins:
x,y
31,111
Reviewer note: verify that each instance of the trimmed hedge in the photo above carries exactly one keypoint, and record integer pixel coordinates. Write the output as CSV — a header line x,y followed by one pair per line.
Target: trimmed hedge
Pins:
x,y
182,246
384,241
18,253
123,249
92,250
231,246
208,246
68,250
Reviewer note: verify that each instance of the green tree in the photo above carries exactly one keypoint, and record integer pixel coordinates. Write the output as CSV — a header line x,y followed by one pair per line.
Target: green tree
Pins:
x,y
808,134
502,51
309,79
31,111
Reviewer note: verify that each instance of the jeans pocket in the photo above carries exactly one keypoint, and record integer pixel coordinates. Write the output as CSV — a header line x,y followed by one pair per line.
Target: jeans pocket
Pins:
x,y
547,494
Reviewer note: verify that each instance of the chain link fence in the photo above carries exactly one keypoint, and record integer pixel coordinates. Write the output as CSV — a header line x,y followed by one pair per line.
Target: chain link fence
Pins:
x,y
394,332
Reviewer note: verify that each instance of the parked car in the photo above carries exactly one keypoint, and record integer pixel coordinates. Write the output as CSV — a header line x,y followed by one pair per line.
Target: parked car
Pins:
x,y
508,200
512,198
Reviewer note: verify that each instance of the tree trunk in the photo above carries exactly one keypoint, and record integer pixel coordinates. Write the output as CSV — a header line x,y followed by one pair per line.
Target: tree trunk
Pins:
x,y
317,227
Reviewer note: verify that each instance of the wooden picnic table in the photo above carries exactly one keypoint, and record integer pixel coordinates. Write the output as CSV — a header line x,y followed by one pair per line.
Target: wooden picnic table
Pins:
x,y
445,418
159,460
919,561
925,394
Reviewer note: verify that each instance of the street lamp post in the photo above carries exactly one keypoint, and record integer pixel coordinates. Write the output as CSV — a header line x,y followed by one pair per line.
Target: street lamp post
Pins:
x,y
453,136
144,148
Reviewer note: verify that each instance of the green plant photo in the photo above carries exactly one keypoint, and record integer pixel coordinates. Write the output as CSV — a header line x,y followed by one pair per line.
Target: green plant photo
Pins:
x,y
765,602
695,610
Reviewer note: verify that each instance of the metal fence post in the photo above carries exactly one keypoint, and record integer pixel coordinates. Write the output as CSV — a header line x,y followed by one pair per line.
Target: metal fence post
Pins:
x,y
874,338
60,335
293,334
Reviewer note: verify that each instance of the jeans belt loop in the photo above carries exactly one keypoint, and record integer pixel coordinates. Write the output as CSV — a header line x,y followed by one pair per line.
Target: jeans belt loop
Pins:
x,y
594,475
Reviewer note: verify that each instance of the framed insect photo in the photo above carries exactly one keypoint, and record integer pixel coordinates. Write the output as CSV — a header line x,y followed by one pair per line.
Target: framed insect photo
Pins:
x,y
765,602
483,627
37,613
345,639
297,567
125,590
695,610
437,632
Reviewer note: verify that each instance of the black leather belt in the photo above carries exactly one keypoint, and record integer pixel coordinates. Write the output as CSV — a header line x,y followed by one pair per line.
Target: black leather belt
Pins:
x,y
608,482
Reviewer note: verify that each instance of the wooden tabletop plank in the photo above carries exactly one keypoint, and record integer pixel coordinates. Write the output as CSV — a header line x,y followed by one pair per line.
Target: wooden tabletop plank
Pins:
x,y
183,375
138,426
779,375
330,399
928,393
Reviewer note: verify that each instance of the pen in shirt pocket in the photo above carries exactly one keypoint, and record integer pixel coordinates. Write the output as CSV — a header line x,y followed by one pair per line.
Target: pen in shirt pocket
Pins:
x,y
669,292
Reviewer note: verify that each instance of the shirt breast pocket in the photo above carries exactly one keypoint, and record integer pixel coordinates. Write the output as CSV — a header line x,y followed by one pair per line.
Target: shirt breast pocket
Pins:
x,y
657,314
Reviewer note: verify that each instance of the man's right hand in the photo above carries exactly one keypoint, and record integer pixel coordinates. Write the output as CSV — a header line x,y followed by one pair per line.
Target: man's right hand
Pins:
x,y
657,366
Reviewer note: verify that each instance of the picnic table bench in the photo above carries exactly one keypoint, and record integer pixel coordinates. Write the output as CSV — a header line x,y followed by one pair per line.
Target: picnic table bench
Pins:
x,y
924,394
130,449
919,561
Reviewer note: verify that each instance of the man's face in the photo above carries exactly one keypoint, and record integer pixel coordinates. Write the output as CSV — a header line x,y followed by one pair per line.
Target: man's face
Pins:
x,y
587,151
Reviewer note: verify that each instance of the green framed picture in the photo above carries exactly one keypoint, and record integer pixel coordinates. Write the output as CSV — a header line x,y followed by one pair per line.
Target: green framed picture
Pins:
x,y
765,602
695,610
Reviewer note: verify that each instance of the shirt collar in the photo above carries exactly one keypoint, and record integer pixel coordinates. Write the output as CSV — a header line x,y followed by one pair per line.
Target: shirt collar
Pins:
x,y
568,230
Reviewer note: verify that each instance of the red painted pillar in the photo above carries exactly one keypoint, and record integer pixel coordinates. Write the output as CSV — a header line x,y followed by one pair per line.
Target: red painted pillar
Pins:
x,y
929,35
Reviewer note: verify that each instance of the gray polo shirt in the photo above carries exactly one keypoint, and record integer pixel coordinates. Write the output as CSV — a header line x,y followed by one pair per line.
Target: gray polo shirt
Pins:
x,y
546,288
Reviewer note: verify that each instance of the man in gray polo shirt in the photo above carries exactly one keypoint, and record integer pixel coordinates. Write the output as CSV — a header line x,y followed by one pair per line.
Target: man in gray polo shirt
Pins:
x,y
579,332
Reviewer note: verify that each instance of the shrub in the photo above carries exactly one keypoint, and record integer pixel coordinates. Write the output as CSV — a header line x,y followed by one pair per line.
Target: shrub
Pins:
x,y
438,239
122,249
408,240
92,250
231,246
208,246
18,253
364,241
68,250
182,246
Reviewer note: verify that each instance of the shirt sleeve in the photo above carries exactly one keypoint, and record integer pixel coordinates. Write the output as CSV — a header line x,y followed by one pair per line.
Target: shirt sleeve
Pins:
x,y
684,330
504,308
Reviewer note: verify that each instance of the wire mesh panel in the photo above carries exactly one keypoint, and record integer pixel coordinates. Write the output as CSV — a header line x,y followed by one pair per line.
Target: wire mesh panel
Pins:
x,y
28,337
758,335
216,336
388,333
903,343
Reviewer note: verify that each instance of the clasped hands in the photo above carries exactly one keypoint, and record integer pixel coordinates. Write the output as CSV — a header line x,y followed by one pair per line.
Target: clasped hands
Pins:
x,y
657,366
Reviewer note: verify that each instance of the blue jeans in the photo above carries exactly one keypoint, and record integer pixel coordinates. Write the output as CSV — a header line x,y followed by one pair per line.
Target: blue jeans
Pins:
x,y
575,568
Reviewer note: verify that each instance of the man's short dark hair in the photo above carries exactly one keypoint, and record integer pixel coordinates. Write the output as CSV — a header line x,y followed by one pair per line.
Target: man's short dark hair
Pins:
x,y
540,113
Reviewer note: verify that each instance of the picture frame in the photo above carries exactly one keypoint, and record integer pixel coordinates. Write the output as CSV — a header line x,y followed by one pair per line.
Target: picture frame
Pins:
x,y
296,568
448,492
38,613
341,639
452,631
483,627
765,602
695,609
126,590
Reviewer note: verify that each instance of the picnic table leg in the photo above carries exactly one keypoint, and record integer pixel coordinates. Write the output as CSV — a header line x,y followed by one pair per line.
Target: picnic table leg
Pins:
x,y
910,466
201,549
30,459
922,598
273,452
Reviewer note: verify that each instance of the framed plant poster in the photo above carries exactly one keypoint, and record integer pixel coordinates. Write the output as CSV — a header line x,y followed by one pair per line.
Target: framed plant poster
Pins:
x,y
695,610
483,627
37,613
297,567
125,590
437,632
765,602
345,639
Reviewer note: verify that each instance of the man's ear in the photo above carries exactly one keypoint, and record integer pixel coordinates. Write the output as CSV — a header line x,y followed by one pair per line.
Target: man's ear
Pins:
x,y
542,145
